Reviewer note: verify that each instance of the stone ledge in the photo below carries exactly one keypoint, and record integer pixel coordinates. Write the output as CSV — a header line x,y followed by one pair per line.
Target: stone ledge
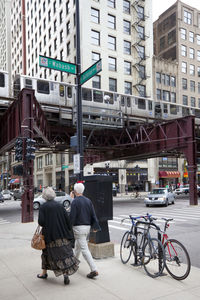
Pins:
x,y
102,250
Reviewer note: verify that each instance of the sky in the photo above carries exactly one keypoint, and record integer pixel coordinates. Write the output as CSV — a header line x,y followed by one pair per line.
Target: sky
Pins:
x,y
159,6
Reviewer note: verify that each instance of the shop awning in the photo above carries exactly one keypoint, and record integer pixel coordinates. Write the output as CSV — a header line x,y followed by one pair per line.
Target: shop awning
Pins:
x,y
14,181
169,174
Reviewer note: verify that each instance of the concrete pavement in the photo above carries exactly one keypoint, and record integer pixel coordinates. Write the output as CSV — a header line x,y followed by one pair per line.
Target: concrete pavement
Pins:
x,y
19,265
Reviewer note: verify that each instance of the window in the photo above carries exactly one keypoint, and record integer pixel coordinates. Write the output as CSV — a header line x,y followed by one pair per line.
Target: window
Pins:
x,y
192,70
95,36
128,88
191,53
68,28
111,3
141,32
192,86
50,51
141,52
39,163
183,34
111,42
158,77
54,26
198,102
95,15
173,81
127,27
49,33
198,87
127,47
163,78
61,36
55,44
173,97
140,11
61,17
185,100
198,39
68,48
54,7
126,7
183,50
166,96
167,80
127,67
112,66
158,94
142,90
2,80
95,57
187,17
67,8
198,71
162,43
191,37
198,55
171,37
111,21
96,82
193,101
184,67
184,83
49,15
112,84
142,71
42,87
48,159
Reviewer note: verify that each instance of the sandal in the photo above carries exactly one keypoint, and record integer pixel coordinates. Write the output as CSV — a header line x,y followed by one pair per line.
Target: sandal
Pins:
x,y
44,276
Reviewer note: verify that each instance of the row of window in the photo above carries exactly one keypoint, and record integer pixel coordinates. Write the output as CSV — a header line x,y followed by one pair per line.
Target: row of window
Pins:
x,y
191,36
191,52
191,69
192,101
165,79
192,85
165,95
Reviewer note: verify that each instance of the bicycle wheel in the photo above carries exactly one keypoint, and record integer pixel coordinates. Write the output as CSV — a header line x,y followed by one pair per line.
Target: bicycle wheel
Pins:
x,y
154,257
126,247
177,262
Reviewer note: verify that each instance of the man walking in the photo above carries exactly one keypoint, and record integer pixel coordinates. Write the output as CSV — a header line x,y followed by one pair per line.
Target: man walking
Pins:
x,y
83,218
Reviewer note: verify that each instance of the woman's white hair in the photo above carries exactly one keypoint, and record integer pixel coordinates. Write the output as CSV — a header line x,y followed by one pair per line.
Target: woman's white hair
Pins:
x,y
48,193
79,188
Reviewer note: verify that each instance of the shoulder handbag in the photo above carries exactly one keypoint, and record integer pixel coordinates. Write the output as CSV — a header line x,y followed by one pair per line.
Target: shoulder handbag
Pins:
x,y
37,241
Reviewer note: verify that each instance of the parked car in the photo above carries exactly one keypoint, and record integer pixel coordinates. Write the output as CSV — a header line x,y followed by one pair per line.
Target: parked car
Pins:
x,y
6,195
1,197
17,194
182,189
160,196
61,197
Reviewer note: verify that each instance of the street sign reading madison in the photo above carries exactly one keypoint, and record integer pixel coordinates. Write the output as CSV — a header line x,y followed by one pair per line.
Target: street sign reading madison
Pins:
x,y
56,64
91,71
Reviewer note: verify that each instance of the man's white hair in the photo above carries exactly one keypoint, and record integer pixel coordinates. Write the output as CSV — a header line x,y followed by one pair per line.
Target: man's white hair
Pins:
x,y
48,193
79,188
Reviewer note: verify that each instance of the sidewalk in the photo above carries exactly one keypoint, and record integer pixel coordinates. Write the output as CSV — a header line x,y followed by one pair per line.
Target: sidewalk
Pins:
x,y
130,196
19,265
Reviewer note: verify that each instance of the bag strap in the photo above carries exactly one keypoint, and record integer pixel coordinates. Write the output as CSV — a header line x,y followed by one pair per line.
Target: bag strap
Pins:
x,y
38,229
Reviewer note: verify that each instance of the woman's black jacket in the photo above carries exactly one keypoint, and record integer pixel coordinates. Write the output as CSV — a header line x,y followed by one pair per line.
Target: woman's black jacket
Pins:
x,y
55,222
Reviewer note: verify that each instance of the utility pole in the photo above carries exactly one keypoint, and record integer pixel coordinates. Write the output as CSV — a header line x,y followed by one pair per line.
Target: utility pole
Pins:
x,y
78,95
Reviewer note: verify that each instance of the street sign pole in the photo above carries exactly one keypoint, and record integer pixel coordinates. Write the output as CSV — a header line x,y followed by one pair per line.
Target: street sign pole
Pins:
x,y
78,94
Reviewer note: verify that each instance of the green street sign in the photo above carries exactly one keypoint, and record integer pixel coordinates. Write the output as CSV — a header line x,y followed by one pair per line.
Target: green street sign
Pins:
x,y
91,71
65,167
56,64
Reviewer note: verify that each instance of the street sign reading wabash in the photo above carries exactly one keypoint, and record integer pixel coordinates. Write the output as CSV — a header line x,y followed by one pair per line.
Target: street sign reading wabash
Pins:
x,y
58,65
91,71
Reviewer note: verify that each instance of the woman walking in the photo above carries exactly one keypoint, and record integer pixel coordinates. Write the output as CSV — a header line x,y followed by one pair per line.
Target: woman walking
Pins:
x,y
57,230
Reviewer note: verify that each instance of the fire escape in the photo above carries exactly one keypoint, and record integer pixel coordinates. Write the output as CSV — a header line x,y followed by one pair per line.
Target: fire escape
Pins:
x,y
139,45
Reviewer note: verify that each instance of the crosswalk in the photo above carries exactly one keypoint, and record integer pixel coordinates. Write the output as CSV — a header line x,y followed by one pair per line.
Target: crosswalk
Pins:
x,y
3,221
180,216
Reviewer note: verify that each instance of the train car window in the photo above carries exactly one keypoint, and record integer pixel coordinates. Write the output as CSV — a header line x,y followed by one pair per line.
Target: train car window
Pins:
x,y
157,108
150,105
69,92
42,87
61,90
165,109
16,87
97,96
122,101
141,104
108,98
28,83
173,110
2,80
197,113
128,102
87,94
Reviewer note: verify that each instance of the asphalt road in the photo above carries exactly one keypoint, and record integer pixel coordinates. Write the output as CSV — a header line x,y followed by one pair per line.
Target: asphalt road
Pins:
x,y
185,226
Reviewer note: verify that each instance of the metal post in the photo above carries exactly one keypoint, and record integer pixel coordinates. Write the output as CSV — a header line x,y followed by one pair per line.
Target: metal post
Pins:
x,y
78,94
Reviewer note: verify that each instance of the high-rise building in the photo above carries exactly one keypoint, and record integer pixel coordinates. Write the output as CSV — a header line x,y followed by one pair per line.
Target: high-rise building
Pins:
x,y
177,38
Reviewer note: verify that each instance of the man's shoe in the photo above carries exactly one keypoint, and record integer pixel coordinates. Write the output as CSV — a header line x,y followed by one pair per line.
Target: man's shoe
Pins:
x,y
92,274
66,279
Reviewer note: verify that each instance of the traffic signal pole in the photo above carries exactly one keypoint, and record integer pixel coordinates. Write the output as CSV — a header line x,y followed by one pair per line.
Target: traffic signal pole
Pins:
x,y
78,95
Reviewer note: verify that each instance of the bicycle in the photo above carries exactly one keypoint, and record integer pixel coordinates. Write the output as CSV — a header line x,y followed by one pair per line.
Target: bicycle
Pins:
x,y
177,261
148,251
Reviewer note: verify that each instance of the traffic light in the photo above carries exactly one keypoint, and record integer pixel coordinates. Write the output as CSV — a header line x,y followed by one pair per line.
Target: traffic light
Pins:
x,y
30,149
19,149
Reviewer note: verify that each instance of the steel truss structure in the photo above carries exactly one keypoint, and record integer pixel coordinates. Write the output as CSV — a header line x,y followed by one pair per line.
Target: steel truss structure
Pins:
x,y
25,118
